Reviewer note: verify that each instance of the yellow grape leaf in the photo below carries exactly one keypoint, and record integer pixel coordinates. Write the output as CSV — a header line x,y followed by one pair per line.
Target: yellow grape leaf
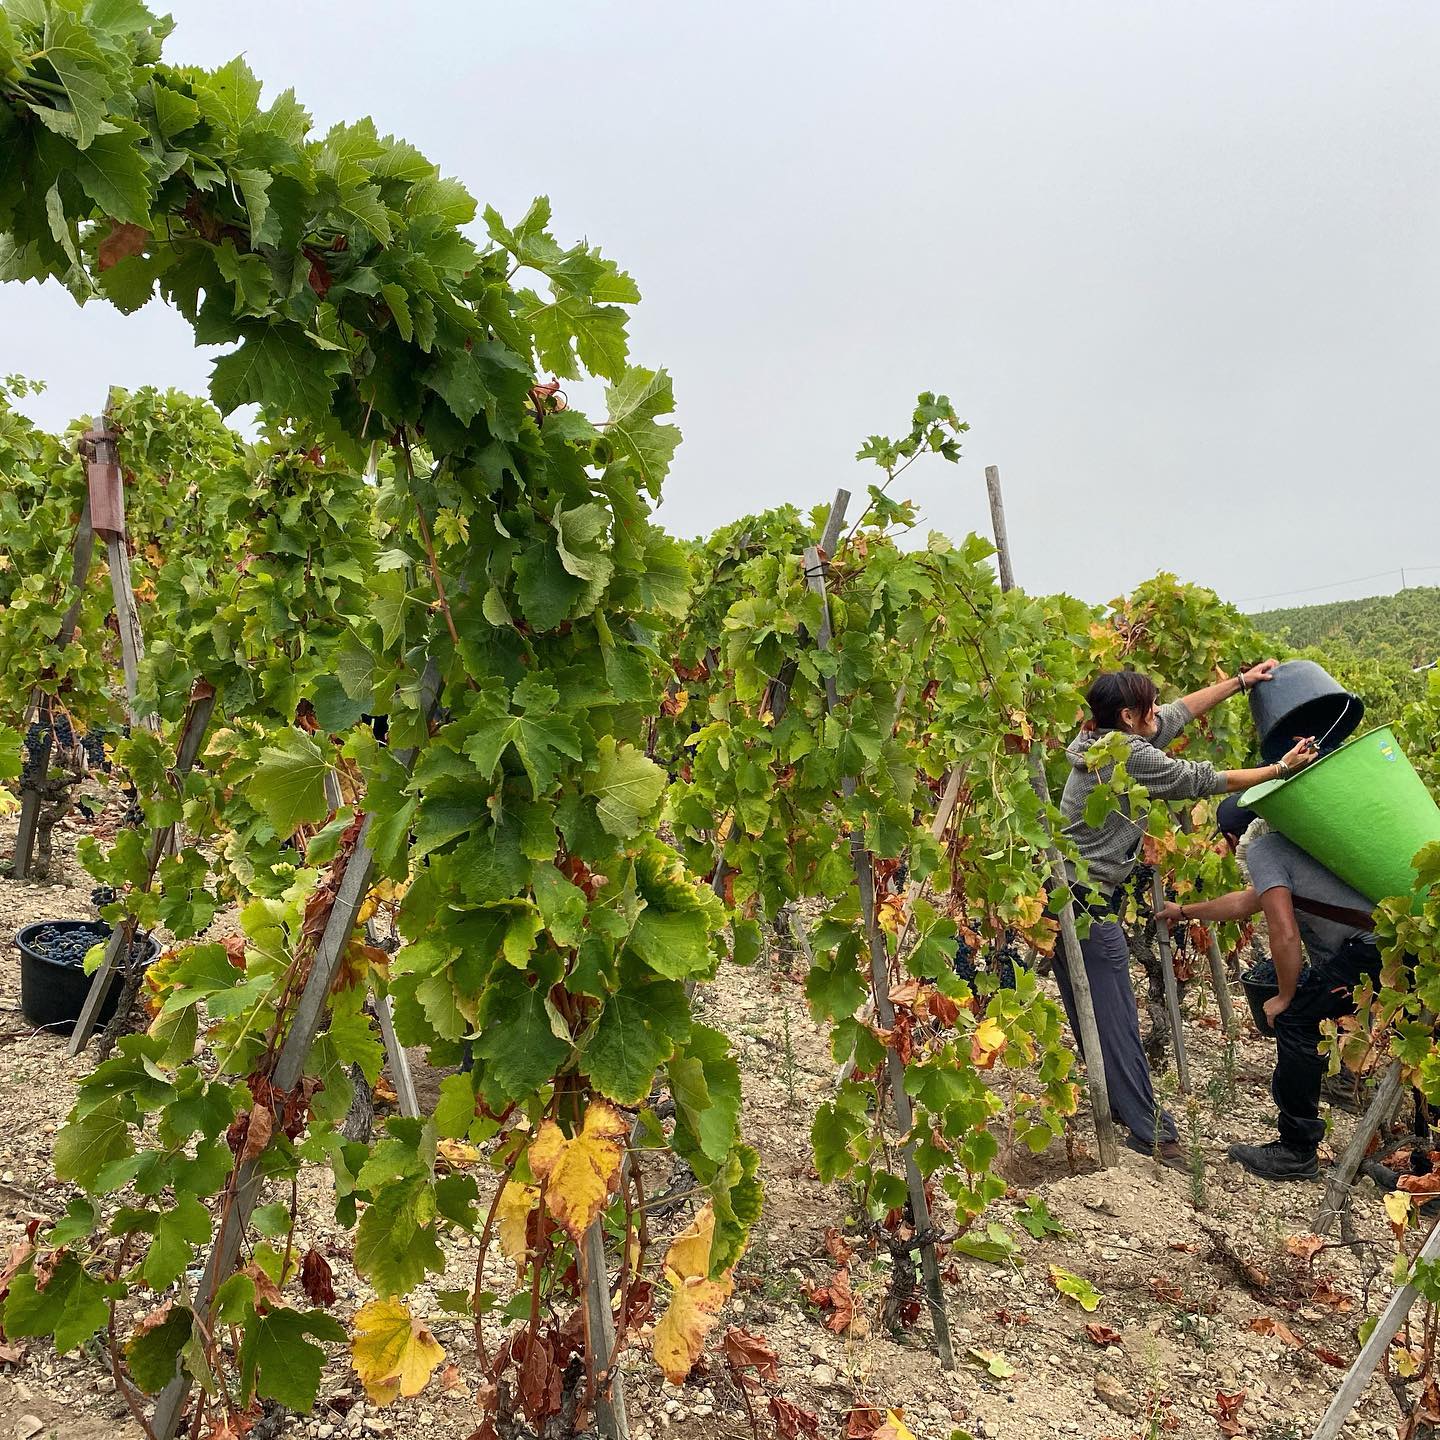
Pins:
x,y
457,1153
1397,1207
987,1043
579,1172
695,1300
891,914
1407,1362
894,1427
512,1218
8,803
393,1353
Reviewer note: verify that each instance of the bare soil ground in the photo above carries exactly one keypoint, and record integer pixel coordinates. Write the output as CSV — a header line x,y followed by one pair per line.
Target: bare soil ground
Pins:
x,y
1189,1305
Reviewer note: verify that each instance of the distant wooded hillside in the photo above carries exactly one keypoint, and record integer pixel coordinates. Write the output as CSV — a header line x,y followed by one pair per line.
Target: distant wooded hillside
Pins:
x,y
1403,627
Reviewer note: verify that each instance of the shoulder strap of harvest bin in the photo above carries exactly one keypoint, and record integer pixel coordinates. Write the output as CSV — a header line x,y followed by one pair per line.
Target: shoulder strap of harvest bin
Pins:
x,y
1341,914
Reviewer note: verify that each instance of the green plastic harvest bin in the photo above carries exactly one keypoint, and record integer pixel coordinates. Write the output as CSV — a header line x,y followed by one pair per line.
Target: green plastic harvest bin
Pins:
x,y
1361,811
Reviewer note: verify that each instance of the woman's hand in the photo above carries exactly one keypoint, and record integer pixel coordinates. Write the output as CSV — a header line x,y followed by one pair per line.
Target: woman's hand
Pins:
x,y
1265,670
1276,1005
1301,754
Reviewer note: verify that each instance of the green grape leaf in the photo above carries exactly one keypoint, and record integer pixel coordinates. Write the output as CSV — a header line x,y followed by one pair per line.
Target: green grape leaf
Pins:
x,y
638,1030
537,740
1076,1287
634,402
279,1361
83,73
152,1350
87,1143
626,786
395,1243
278,368
71,1307
288,786
705,1081
177,1231
516,1038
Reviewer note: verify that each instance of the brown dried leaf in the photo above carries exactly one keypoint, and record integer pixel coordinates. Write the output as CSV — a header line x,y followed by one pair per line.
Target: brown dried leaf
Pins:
x,y
1420,1184
863,1421
266,1291
156,1317
1269,1325
792,1422
1322,1292
1102,1334
1227,1412
316,1279
904,993
258,1131
745,1351
121,243
1303,1247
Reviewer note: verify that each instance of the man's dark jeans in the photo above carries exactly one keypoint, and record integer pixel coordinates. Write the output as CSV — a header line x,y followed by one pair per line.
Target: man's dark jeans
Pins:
x,y
1324,994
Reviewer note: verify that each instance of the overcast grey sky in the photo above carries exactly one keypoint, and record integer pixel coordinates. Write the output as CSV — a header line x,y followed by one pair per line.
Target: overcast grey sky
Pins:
x,y
1178,266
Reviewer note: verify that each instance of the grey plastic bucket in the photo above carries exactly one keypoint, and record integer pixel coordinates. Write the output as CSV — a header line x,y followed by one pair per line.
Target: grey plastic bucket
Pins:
x,y
1302,698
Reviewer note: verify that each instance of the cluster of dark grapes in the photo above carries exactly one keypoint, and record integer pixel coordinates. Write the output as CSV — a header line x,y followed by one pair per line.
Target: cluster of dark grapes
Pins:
x,y
1001,961
102,895
1262,972
91,745
69,944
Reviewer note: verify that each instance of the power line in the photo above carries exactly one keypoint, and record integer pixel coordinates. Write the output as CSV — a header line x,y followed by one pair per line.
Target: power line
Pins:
x,y
1400,570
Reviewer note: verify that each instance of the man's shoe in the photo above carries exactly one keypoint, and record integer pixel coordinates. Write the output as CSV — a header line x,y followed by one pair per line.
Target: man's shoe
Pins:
x,y
1343,1091
1276,1161
1167,1152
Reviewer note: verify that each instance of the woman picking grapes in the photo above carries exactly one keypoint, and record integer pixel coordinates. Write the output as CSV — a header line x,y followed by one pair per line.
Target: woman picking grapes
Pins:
x,y
1123,701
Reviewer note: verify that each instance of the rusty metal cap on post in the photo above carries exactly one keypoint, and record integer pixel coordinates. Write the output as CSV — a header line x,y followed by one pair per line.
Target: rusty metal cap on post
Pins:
x,y
107,487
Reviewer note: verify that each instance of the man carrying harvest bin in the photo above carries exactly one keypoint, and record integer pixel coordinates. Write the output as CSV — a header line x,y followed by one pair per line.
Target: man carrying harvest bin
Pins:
x,y
1302,902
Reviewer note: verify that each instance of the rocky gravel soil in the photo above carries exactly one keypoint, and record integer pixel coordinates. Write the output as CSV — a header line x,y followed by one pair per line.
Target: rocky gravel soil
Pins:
x,y
1196,1306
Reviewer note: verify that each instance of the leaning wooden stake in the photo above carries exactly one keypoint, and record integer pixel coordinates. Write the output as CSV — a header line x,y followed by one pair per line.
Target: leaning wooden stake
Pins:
x,y
1218,980
1105,1137
395,1055
880,986
248,1178
1172,990
943,811
1372,1353
32,796
107,515
192,733
1343,1172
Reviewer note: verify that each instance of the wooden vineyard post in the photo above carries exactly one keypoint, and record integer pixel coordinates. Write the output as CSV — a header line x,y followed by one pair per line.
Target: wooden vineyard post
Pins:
x,y
943,811
192,733
1342,1173
1218,981
107,515
1372,1353
1003,562
102,515
880,984
395,1055
248,1178
1172,990
1105,1137
32,794
610,1414
829,538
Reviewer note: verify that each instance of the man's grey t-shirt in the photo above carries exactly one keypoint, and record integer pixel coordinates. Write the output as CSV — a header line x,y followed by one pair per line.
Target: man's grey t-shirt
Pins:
x,y
1274,860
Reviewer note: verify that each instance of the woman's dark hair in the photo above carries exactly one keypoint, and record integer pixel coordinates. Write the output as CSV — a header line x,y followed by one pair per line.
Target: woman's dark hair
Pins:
x,y
1115,690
